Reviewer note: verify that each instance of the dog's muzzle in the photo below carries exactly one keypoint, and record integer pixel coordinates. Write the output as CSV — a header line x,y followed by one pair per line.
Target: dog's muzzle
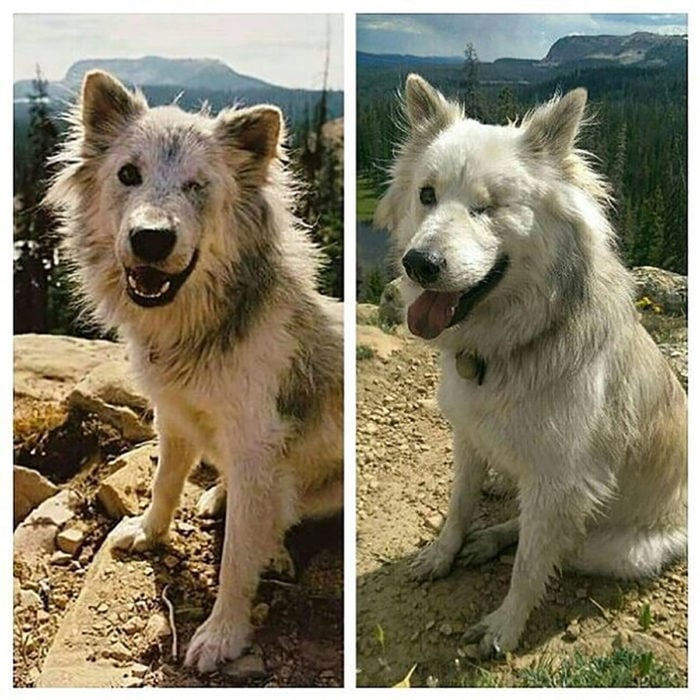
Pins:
x,y
432,312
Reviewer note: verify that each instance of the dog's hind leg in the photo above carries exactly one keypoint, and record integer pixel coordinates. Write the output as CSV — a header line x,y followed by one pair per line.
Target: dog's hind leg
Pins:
x,y
488,543
176,458
437,558
629,553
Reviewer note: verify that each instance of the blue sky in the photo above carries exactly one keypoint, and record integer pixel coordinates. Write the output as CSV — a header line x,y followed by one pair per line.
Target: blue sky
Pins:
x,y
497,35
286,50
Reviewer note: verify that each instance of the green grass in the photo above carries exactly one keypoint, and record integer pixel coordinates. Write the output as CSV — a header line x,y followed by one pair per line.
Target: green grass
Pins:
x,y
364,352
623,668
366,199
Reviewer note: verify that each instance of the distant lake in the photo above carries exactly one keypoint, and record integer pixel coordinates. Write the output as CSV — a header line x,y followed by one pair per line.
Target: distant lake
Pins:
x,y
372,246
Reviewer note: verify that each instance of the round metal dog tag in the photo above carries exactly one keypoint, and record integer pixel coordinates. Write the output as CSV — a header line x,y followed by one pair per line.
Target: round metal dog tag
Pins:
x,y
467,365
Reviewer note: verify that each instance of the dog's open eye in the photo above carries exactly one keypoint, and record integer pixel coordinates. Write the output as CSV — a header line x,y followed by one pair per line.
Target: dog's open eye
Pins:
x,y
192,187
427,196
129,175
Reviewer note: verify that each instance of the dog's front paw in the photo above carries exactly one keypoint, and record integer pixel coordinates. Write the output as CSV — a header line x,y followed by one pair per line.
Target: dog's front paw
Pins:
x,y
496,634
431,562
216,640
137,534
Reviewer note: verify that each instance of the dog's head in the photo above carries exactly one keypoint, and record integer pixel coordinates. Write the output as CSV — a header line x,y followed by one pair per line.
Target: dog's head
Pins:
x,y
154,190
463,199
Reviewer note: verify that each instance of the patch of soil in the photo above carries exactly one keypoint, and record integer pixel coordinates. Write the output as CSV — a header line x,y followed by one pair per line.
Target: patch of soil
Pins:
x,y
299,624
404,467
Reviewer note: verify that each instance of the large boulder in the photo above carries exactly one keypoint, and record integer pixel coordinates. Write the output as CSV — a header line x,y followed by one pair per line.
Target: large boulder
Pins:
x,y
109,392
91,376
391,305
47,367
667,289
30,489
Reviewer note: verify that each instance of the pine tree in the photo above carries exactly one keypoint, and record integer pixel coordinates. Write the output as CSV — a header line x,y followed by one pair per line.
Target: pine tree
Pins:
x,y
35,239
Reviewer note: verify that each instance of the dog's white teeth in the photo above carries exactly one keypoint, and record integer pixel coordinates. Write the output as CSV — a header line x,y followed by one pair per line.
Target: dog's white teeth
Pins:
x,y
132,283
165,287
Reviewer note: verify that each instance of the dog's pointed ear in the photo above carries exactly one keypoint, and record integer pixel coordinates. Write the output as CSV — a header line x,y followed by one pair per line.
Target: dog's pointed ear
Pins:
x,y
106,106
257,130
553,127
425,105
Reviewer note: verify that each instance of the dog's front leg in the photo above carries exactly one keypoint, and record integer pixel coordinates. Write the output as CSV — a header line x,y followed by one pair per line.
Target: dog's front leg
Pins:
x,y
176,458
435,560
552,520
259,508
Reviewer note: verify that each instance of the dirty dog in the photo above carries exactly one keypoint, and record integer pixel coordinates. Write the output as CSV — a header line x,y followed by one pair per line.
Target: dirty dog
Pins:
x,y
547,375
183,239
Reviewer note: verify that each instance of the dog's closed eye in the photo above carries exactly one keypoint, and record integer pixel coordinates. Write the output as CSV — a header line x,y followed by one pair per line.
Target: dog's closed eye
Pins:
x,y
193,187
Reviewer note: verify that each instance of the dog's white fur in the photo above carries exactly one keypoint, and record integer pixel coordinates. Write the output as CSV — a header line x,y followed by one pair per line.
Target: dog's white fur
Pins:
x,y
577,404
244,365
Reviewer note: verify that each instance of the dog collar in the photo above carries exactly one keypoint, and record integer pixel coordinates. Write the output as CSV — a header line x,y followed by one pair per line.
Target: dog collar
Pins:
x,y
470,365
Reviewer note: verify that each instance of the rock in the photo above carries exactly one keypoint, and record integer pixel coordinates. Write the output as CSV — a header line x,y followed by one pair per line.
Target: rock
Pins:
x,y
35,537
573,630
30,489
367,314
157,629
138,670
259,614
667,289
118,493
82,654
109,392
60,559
391,306
70,540
118,651
29,600
435,522
47,367
171,561
245,667
382,343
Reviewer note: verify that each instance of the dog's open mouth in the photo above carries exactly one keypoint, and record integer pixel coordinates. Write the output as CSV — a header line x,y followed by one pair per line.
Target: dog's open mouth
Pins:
x,y
432,312
148,286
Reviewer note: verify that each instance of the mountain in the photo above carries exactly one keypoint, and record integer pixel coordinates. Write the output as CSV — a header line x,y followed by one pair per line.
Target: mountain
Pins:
x,y
191,80
639,50
193,73
396,59
153,70
642,49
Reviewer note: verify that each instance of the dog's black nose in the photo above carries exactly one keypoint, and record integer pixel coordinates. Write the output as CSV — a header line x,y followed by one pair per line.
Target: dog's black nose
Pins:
x,y
423,266
152,244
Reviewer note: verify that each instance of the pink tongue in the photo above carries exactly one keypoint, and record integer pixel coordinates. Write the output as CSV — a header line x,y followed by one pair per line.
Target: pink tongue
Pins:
x,y
429,315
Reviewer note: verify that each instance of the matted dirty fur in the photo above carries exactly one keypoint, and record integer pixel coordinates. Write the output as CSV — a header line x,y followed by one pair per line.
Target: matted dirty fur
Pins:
x,y
181,230
547,375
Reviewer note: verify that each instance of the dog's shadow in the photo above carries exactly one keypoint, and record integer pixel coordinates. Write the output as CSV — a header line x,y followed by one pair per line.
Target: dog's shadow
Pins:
x,y
402,623
298,636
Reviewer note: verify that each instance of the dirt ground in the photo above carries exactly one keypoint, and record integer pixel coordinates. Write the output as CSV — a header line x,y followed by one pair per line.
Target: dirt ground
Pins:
x,y
403,478
299,623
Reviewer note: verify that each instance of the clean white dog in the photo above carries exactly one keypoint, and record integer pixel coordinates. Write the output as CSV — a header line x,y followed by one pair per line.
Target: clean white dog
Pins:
x,y
547,374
